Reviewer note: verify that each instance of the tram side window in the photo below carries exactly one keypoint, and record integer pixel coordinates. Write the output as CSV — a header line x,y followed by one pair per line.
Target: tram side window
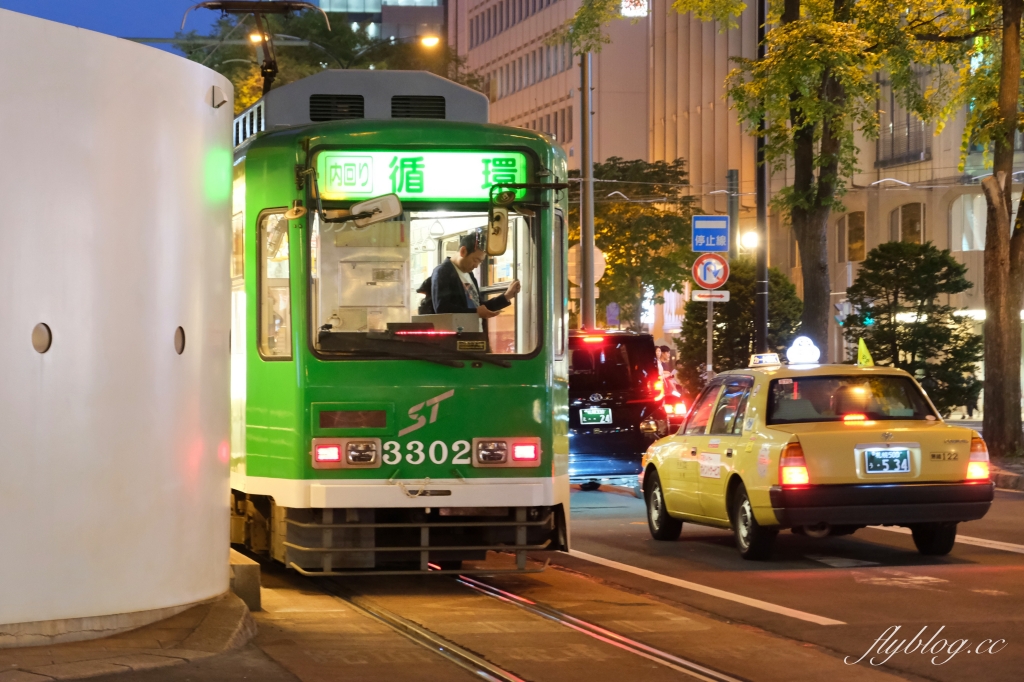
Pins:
x,y
558,272
275,318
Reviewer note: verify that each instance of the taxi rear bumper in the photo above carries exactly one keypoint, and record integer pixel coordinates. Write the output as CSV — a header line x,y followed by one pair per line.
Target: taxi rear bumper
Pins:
x,y
873,504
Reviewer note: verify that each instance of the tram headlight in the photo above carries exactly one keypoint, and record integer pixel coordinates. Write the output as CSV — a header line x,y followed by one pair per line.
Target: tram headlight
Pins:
x,y
492,451
361,451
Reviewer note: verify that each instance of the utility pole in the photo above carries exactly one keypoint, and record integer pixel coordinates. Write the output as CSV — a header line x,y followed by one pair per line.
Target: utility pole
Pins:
x,y
588,313
761,188
732,183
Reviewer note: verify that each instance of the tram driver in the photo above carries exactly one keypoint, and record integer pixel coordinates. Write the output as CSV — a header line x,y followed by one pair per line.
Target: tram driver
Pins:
x,y
454,289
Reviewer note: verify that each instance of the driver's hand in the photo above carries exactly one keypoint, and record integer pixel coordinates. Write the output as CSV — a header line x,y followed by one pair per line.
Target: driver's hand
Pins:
x,y
485,313
513,289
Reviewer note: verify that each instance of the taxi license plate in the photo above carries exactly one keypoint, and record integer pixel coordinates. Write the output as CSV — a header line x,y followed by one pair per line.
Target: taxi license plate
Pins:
x,y
887,461
596,415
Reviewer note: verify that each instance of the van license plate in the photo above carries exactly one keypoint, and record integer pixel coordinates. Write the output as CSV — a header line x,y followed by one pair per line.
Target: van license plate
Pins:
x,y
887,461
596,415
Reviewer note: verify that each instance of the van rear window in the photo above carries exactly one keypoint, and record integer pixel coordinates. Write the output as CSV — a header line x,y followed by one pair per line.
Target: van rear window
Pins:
x,y
846,398
612,365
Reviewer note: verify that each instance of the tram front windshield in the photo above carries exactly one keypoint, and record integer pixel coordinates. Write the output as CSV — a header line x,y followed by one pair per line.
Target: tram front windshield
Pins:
x,y
364,283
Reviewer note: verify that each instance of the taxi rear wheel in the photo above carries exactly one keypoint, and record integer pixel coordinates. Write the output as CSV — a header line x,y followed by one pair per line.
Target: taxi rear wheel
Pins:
x,y
662,526
753,540
934,539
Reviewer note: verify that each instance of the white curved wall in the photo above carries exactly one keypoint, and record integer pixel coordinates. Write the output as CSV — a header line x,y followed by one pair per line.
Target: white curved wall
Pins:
x,y
114,231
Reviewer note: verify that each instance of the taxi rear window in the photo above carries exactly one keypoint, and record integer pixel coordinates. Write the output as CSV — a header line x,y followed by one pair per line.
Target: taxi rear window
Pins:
x,y
844,398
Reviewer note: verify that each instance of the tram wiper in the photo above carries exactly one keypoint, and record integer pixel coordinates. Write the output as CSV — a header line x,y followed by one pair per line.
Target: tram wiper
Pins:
x,y
455,355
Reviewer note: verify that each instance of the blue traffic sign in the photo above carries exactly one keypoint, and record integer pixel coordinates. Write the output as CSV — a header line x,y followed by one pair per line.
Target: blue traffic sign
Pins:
x,y
710,233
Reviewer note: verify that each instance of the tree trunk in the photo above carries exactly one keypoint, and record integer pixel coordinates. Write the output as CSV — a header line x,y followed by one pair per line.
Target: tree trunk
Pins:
x,y
809,219
1004,263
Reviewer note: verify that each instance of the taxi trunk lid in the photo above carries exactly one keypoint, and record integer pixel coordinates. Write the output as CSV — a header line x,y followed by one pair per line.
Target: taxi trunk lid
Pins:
x,y
838,452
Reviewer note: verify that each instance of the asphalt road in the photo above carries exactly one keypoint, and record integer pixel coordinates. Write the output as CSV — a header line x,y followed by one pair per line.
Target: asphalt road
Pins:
x,y
869,582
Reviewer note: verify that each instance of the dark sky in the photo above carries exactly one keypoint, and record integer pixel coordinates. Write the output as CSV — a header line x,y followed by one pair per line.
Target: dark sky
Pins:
x,y
122,18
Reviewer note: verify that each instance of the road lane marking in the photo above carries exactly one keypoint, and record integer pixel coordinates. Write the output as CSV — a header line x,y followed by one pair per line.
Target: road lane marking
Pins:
x,y
704,589
965,539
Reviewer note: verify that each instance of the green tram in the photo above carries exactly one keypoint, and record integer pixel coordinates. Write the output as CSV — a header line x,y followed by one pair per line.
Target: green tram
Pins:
x,y
369,435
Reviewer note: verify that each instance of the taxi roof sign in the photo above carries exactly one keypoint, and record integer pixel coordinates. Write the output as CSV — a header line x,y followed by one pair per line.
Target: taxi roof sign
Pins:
x,y
764,359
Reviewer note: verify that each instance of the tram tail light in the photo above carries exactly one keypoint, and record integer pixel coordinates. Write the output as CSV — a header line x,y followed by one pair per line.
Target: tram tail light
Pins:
x,y
506,452
327,453
793,466
524,452
977,467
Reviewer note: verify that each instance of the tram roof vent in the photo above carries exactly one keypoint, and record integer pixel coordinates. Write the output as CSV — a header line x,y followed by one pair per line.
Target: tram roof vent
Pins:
x,y
417,106
336,107
338,94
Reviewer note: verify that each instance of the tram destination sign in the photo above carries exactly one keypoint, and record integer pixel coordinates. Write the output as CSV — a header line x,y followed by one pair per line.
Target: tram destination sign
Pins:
x,y
417,175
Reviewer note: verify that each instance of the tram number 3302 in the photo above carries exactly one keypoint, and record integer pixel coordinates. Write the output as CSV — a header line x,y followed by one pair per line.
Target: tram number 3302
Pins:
x,y
416,452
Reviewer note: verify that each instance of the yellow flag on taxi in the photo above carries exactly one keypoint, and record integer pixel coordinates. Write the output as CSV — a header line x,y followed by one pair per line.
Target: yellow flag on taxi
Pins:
x,y
864,358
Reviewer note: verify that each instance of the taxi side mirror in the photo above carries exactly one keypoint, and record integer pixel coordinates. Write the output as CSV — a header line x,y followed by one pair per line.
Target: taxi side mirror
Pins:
x,y
497,231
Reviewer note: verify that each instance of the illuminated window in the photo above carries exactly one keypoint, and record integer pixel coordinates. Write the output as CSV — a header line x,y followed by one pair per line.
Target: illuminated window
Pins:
x,y
906,224
850,243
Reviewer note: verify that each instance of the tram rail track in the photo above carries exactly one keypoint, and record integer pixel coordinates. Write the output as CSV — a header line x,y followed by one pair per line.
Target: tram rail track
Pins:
x,y
479,666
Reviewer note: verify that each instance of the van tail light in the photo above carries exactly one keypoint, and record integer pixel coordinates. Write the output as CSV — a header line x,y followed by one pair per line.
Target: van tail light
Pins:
x,y
593,339
327,453
977,467
793,466
524,452
659,389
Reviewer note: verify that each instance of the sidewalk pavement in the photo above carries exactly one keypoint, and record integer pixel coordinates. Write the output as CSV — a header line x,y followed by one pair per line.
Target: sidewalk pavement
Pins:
x,y
200,632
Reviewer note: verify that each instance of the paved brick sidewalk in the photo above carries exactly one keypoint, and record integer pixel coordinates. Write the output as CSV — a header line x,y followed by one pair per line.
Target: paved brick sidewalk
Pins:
x,y
200,632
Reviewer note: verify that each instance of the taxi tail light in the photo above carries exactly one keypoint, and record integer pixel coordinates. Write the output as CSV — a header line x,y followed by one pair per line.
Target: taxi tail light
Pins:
x,y
793,466
977,467
524,452
327,453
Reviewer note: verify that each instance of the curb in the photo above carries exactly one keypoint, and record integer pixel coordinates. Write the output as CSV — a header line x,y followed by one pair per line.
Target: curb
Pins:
x,y
228,625
1007,480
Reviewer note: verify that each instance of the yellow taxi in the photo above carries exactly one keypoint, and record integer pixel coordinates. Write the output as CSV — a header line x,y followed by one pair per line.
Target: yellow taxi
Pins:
x,y
821,449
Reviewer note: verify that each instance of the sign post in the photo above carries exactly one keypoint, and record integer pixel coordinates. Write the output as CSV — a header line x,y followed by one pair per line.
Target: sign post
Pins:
x,y
711,271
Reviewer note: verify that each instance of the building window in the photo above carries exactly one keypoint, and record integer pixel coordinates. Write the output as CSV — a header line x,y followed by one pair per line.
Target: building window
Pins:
x,y
902,136
968,220
850,237
906,224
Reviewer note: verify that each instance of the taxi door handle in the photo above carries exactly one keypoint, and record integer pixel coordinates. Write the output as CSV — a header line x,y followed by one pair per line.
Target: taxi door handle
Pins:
x,y
728,452
693,452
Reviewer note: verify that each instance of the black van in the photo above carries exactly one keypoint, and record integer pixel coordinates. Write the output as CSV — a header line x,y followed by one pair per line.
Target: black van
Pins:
x,y
615,406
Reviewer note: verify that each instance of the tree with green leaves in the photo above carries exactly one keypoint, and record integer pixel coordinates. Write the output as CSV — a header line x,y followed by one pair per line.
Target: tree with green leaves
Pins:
x,y
734,324
898,313
339,47
815,89
642,224
991,91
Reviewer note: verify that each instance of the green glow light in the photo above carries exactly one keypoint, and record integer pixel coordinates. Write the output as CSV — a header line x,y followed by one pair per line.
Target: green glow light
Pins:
x,y
217,174
417,175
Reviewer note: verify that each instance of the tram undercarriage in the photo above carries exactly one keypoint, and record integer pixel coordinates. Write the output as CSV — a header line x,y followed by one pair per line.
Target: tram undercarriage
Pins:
x,y
332,542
